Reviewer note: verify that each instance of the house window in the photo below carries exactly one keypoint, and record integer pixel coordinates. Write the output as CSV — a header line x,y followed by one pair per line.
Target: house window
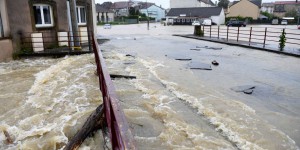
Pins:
x,y
43,15
81,15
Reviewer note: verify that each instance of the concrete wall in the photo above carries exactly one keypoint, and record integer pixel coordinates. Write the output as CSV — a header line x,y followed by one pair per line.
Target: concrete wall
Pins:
x,y
6,50
244,8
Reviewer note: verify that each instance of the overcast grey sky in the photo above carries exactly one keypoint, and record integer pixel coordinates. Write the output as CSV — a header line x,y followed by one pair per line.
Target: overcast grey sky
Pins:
x,y
166,3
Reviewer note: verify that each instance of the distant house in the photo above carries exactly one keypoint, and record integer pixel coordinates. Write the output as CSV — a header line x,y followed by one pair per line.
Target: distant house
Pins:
x,y
25,21
185,16
152,10
245,8
267,7
191,3
121,8
104,14
281,7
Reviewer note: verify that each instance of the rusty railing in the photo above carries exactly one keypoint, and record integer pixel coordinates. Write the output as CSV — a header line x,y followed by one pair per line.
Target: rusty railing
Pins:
x,y
119,132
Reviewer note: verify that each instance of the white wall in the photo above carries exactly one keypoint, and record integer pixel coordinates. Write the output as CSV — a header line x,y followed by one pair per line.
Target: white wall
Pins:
x,y
187,4
155,12
219,19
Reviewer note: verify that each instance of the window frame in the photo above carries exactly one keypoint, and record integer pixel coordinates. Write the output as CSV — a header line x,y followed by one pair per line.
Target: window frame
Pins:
x,y
44,25
78,15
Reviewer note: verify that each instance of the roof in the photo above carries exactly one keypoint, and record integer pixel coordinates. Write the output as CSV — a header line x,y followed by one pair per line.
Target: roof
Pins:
x,y
208,2
204,12
255,2
122,4
286,2
267,4
144,5
100,9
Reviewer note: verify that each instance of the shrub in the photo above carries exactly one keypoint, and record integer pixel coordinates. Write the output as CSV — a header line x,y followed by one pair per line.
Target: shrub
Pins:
x,y
282,40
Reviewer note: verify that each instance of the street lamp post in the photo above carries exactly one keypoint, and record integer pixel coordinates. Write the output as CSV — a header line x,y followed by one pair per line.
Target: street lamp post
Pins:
x,y
147,15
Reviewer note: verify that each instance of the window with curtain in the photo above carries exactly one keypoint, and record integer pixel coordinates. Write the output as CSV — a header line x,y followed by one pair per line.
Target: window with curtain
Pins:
x,y
43,15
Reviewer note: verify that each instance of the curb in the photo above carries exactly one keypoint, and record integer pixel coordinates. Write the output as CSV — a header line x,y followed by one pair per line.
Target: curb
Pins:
x,y
238,44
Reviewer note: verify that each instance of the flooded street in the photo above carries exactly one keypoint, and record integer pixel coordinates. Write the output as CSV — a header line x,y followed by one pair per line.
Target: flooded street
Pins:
x,y
168,106
45,101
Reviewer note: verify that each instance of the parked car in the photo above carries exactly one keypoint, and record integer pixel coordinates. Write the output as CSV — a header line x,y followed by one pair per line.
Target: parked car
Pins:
x,y
284,22
236,23
107,26
196,23
206,22
275,21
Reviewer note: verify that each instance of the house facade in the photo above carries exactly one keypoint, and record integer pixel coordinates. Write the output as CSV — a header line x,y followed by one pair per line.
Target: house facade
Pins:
x,y
153,11
29,22
104,14
282,7
267,7
245,8
185,16
191,3
121,8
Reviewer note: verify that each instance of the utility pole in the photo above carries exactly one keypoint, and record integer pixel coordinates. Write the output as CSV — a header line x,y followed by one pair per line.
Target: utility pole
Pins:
x,y
74,23
87,14
147,16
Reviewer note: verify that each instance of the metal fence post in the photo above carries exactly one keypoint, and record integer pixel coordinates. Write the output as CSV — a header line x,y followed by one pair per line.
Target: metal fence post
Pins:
x,y
209,31
250,36
265,37
218,32
237,37
227,32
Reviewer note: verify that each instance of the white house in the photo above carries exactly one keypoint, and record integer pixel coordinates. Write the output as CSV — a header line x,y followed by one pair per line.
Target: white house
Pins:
x,y
153,11
185,16
191,3
267,7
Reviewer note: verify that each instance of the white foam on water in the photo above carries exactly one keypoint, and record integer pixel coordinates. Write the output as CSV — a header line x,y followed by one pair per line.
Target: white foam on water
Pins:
x,y
221,124
60,97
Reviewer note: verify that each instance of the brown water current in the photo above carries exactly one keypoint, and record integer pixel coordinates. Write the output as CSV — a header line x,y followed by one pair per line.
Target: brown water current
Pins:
x,y
45,101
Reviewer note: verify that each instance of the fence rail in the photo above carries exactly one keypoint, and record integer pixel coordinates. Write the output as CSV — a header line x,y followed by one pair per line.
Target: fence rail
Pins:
x,y
119,132
55,42
254,35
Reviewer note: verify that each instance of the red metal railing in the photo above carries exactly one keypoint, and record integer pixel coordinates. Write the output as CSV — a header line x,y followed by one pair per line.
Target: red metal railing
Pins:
x,y
119,132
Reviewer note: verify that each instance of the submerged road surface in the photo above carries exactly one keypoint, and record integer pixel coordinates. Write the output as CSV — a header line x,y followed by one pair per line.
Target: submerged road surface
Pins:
x,y
251,100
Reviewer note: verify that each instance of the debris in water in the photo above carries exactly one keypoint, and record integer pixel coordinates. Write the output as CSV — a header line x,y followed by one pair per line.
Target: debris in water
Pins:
x,y
181,58
195,49
199,65
114,76
215,63
131,55
213,48
8,138
247,89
